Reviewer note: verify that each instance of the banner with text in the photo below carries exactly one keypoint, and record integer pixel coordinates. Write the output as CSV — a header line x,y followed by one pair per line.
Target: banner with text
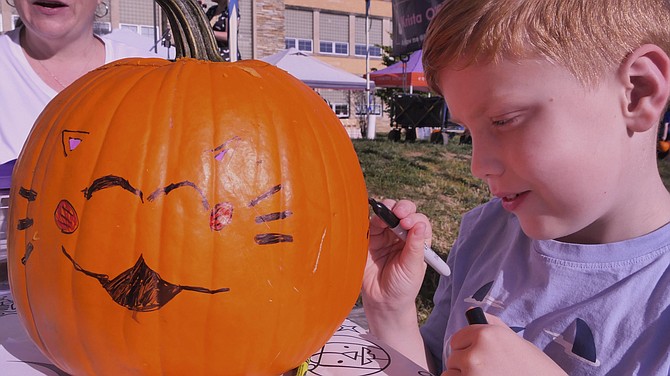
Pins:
x,y
410,21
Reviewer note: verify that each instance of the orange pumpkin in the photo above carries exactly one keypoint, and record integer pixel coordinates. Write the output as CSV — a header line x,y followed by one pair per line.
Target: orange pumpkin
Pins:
x,y
186,218
663,146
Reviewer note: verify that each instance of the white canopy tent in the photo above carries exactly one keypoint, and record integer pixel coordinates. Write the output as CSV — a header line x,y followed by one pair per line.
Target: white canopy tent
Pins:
x,y
314,72
142,42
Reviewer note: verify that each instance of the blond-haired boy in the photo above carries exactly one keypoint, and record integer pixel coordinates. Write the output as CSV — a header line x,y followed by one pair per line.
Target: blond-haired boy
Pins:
x,y
569,260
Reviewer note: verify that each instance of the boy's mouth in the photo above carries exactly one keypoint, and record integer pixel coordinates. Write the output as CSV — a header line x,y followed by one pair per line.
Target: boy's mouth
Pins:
x,y
511,202
509,198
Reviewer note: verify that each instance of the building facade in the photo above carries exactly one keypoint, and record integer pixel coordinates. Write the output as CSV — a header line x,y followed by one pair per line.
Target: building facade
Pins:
x,y
330,30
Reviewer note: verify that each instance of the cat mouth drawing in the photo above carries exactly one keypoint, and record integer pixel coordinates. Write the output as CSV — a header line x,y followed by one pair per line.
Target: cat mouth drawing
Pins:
x,y
139,288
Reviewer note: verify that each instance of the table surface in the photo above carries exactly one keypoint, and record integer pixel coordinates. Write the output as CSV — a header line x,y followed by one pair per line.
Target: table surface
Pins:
x,y
352,351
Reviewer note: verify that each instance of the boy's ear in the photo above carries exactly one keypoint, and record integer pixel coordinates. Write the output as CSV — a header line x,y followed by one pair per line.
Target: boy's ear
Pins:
x,y
646,76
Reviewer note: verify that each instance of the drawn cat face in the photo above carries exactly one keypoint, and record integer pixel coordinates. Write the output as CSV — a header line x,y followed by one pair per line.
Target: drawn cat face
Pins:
x,y
141,288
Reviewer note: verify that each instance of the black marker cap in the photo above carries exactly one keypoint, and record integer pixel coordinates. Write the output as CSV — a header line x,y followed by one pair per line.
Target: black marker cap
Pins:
x,y
476,316
384,213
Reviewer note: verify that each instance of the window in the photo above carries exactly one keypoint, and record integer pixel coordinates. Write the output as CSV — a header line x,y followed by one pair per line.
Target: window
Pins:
x,y
299,26
338,100
342,48
304,45
137,12
326,47
375,51
148,31
144,30
341,109
334,34
374,35
376,109
337,48
132,28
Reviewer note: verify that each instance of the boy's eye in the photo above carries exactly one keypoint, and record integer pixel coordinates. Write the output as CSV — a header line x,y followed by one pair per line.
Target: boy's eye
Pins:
x,y
509,118
501,122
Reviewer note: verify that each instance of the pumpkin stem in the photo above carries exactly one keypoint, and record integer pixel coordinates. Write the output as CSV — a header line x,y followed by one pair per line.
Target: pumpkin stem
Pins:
x,y
192,32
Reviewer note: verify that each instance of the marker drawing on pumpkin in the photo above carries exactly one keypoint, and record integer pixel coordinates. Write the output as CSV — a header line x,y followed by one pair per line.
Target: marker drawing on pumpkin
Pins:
x,y
273,216
221,150
28,194
221,216
110,181
272,238
71,140
172,186
66,217
265,195
140,288
24,223
29,250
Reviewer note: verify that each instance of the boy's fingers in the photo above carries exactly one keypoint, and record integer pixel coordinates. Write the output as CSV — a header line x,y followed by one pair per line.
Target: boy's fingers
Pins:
x,y
416,241
402,208
495,320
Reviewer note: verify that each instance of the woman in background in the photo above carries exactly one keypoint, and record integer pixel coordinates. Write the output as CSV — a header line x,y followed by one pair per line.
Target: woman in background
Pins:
x,y
218,17
52,47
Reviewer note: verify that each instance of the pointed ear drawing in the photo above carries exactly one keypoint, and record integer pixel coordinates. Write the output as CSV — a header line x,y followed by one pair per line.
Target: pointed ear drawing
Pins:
x,y
71,140
223,149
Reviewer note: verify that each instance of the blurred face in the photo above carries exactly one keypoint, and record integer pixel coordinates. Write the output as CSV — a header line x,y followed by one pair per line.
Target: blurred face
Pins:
x,y
57,19
538,143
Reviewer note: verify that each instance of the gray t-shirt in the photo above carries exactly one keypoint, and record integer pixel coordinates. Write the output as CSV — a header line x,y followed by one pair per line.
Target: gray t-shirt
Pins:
x,y
595,309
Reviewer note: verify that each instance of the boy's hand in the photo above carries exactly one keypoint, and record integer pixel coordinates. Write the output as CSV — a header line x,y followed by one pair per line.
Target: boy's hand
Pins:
x,y
393,276
494,349
395,269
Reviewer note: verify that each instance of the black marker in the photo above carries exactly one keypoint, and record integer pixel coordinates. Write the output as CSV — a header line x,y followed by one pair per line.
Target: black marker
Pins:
x,y
390,219
476,315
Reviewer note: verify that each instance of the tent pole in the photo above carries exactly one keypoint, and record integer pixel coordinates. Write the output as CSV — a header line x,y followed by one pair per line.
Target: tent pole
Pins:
x,y
233,9
370,131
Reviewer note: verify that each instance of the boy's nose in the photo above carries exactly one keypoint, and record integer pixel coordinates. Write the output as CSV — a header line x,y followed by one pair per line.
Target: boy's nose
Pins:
x,y
486,161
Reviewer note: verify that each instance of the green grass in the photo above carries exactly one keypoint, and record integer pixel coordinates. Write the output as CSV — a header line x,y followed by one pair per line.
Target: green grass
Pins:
x,y
438,179
664,169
